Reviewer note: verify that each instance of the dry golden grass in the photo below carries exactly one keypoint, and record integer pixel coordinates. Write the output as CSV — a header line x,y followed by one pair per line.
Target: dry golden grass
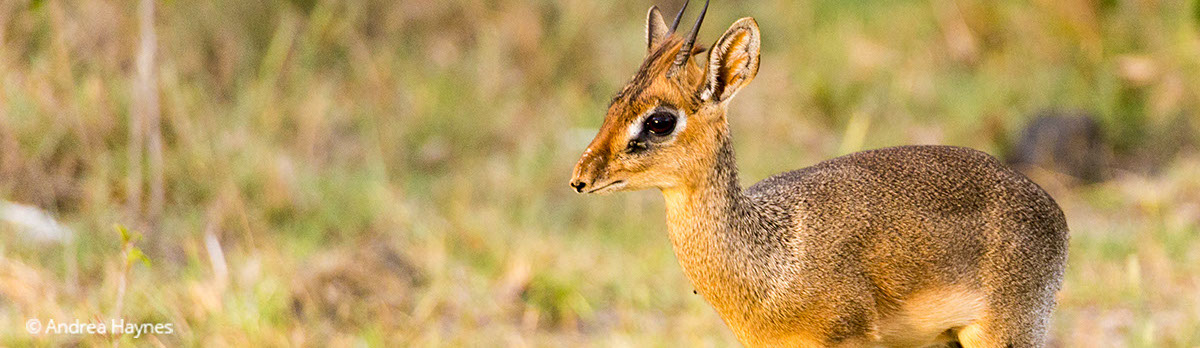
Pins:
x,y
395,172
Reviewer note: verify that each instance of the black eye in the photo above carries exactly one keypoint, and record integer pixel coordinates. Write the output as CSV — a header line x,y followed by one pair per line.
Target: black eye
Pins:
x,y
660,123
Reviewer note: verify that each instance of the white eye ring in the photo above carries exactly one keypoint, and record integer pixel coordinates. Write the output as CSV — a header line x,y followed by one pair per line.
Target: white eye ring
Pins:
x,y
635,129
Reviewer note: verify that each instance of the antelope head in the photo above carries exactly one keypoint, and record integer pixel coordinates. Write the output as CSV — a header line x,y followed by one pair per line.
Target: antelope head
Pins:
x,y
665,127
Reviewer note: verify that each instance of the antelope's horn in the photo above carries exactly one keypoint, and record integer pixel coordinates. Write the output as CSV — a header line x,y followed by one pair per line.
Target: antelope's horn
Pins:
x,y
675,24
686,52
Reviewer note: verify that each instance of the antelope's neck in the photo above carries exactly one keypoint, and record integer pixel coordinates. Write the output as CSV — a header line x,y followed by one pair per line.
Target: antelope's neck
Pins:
x,y
711,225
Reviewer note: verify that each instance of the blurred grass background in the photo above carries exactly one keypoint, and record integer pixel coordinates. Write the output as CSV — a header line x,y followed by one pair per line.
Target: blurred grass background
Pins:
x,y
395,172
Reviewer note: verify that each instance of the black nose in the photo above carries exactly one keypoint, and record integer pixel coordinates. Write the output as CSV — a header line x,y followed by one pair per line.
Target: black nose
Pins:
x,y
578,185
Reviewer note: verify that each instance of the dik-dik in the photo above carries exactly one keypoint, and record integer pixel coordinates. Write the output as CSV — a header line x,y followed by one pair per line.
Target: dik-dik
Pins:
x,y
905,246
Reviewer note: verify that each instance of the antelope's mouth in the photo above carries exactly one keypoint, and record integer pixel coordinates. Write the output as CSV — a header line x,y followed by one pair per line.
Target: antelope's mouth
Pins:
x,y
609,187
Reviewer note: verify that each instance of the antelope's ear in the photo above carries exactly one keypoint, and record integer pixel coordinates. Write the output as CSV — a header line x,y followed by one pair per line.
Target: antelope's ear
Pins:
x,y
733,61
656,29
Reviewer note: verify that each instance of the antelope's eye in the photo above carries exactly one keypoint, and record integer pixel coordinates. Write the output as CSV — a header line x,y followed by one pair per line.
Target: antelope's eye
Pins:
x,y
660,123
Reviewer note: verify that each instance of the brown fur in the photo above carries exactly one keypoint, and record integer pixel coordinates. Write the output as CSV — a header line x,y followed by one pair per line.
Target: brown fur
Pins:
x,y
905,246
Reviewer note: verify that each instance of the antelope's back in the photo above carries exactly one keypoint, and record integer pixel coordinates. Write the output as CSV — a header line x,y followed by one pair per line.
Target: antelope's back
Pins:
x,y
911,217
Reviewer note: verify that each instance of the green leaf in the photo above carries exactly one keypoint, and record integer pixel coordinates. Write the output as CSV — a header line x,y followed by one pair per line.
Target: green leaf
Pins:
x,y
124,233
136,254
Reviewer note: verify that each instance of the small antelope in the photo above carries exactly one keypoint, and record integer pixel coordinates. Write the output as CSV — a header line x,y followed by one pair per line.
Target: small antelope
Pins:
x,y
905,246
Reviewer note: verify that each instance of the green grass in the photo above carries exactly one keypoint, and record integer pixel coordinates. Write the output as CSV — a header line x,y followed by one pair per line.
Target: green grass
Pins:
x,y
298,132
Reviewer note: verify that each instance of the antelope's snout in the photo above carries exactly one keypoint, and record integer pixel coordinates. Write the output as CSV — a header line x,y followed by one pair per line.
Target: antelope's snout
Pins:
x,y
589,169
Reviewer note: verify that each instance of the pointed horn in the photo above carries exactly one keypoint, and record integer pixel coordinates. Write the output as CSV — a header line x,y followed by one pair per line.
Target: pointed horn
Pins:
x,y
686,51
675,24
